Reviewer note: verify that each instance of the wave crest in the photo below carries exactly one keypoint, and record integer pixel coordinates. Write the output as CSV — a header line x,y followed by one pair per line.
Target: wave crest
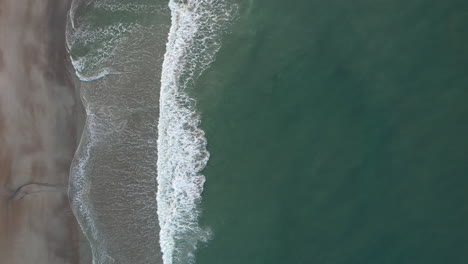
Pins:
x,y
193,42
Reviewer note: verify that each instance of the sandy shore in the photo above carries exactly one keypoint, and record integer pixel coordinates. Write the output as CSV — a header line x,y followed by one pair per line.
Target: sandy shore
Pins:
x,y
38,135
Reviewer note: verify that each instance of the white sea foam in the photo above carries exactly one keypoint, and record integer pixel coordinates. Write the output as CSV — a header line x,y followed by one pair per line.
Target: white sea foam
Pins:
x,y
101,44
193,42
80,187
79,197
139,8
86,35
77,65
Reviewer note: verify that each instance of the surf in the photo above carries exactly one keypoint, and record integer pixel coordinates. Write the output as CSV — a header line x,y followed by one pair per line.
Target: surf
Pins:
x,y
115,54
193,41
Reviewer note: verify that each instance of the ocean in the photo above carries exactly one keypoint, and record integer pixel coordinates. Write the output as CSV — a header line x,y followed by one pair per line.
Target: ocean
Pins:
x,y
254,131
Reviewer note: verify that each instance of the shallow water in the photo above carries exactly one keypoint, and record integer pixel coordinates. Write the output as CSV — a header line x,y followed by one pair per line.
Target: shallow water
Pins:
x,y
113,187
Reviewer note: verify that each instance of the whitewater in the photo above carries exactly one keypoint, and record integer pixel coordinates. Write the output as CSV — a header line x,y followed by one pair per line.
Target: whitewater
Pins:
x,y
193,41
139,164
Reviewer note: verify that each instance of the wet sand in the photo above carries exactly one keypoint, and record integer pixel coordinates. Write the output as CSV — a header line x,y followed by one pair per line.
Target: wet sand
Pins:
x,y
38,135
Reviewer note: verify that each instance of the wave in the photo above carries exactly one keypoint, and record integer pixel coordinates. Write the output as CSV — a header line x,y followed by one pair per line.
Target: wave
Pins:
x,y
93,50
193,41
94,43
103,38
79,185
88,66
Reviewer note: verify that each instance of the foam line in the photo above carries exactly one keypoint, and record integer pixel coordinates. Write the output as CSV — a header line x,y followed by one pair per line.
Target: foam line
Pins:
x,y
193,42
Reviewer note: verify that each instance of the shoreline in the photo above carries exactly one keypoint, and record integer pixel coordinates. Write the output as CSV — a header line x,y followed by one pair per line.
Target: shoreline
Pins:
x,y
113,172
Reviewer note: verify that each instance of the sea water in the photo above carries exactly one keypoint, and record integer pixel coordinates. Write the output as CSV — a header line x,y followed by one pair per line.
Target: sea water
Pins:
x,y
272,131
194,39
337,133
116,49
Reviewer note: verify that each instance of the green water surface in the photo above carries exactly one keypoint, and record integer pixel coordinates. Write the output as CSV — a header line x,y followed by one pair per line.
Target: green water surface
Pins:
x,y
338,134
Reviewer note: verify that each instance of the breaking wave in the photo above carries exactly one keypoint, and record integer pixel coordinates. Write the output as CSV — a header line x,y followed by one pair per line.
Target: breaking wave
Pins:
x,y
193,42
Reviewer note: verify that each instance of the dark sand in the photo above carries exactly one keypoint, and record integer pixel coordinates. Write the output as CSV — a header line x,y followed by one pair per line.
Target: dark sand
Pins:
x,y
38,134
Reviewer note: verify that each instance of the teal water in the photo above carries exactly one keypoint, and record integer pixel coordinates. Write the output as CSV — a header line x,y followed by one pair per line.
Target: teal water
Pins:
x,y
338,134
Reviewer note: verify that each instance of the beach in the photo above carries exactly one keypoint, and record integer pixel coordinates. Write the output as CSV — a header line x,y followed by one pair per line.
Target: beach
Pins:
x,y
230,131
39,133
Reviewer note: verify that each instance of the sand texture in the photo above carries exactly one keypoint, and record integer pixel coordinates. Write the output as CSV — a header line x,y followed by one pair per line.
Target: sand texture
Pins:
x,y
38,135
